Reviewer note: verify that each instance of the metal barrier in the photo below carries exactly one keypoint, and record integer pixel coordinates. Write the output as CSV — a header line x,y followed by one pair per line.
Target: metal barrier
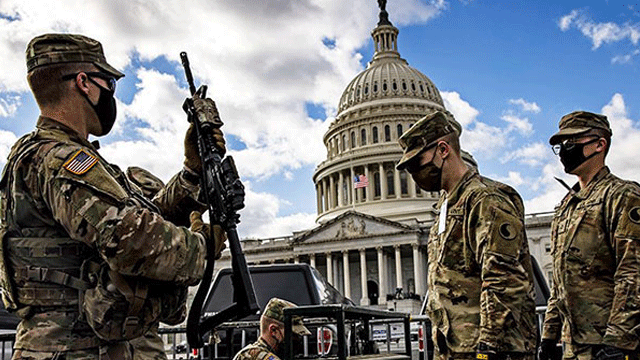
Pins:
x,y
176,346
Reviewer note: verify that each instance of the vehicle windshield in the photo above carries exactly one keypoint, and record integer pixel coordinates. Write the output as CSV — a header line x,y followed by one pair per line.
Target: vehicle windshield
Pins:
x,y
287,285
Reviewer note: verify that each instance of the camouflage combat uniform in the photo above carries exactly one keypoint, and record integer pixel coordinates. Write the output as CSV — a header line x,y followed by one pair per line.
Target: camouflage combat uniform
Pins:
x,y
259,350
63,203
480,277
595,245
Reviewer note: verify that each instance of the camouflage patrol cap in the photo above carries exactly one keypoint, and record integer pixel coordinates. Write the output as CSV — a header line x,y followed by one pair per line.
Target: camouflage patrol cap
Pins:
x,y
273,310
51,49
424,134
579,122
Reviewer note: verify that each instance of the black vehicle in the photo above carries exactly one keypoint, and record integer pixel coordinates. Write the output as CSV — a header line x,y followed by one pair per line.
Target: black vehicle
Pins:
x,y
298,283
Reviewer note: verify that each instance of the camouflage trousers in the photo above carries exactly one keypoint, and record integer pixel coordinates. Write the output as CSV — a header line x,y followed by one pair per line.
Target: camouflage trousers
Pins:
x,y
472,356
148,347
581,352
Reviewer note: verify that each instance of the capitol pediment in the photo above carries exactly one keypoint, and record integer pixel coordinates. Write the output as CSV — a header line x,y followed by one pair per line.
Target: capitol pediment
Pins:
x,y
352,224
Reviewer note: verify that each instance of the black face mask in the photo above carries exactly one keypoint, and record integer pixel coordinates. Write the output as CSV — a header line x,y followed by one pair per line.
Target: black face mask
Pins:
x,y
431,179
105,108
573,156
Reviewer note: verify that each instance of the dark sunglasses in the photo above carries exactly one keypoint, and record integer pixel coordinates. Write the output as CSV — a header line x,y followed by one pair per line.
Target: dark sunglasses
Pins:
x,y
570,143
111,81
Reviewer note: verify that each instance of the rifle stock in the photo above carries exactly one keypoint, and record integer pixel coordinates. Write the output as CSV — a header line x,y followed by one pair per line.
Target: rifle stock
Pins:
x,y
224,195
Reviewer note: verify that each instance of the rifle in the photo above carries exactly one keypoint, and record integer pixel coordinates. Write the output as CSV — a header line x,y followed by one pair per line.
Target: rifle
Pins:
x,y
224,195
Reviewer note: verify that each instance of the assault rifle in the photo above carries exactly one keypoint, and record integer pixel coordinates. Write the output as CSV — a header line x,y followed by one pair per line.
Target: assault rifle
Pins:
x,y
224,194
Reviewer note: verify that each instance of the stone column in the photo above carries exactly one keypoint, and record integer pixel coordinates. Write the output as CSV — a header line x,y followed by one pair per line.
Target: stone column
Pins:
x,y
332,192
370,186
325,206
312,260
341,189
347,276
352,188
412,186
396,176
329,268
398,267
383,182
382,277
417,273
319,197
363,277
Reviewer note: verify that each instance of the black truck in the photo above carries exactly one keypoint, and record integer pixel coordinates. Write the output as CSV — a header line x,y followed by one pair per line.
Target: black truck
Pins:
x,y
338,327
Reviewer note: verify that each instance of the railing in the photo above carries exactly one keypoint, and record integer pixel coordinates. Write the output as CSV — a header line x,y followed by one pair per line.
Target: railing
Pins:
x,y
382,332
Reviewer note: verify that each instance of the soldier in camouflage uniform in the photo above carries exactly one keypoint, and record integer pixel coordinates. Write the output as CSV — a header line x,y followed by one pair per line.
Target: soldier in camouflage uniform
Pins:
x,y
480,280
81,244
594,306
271,337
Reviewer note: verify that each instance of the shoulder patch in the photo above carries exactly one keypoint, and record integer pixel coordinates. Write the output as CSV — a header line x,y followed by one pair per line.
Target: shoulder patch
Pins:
x,y
80,162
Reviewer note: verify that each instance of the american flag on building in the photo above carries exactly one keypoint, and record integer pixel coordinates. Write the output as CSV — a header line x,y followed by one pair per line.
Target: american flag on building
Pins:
x,y
360,181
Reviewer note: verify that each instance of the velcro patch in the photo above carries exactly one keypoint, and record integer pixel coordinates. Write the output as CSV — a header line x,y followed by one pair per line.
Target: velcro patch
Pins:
x,y
80,162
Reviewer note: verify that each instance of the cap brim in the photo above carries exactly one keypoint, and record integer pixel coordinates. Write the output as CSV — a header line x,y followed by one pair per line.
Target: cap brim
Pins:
x,y
300,330
109,69
565,133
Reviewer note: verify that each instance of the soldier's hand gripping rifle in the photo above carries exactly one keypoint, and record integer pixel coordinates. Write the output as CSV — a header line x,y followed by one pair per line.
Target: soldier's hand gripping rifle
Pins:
x,y
224,195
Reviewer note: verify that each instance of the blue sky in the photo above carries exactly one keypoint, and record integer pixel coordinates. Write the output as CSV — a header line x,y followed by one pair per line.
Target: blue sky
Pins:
x,y
508,72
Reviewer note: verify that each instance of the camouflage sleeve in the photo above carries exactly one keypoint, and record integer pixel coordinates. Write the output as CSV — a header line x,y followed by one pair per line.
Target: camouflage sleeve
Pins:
x,y
178,199
624,320
499,241
87,201
552,324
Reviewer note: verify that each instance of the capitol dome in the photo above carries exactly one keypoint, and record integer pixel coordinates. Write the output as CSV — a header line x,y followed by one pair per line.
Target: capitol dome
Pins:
x,y
377,106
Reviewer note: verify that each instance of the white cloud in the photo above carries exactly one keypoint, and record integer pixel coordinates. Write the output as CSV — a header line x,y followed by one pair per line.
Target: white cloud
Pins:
x,y
531,154
624,59
600,33
259,218
9,104
7,139
526,106
517,123
464,113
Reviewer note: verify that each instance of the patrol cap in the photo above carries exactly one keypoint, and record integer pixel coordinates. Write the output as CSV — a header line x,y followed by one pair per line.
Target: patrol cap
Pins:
x,y
423,134
579,122
273,310
49,49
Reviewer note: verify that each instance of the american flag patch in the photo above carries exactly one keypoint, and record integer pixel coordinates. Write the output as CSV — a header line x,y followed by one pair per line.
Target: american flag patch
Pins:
x,y
81,162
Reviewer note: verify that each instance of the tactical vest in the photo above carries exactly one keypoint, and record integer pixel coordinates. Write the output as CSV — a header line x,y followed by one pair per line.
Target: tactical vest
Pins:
x,y
42,268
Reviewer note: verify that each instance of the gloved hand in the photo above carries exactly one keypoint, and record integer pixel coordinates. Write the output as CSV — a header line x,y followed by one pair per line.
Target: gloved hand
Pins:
x,y
207,112
486,352
548,349
214,232
613,353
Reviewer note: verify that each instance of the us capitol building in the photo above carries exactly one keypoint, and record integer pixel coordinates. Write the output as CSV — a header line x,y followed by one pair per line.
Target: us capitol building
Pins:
x,y
370,242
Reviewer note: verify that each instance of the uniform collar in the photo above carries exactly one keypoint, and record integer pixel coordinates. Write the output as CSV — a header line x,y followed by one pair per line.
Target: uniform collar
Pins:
x,y
264,343
454,195
584,193
48,124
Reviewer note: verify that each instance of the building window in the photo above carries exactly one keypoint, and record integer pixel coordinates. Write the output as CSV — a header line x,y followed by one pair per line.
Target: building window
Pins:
x,y
375,134
547,248
391,185
344,143
375,87
384,86
353,140
376,185
387,133
404,184
399,130
363,137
